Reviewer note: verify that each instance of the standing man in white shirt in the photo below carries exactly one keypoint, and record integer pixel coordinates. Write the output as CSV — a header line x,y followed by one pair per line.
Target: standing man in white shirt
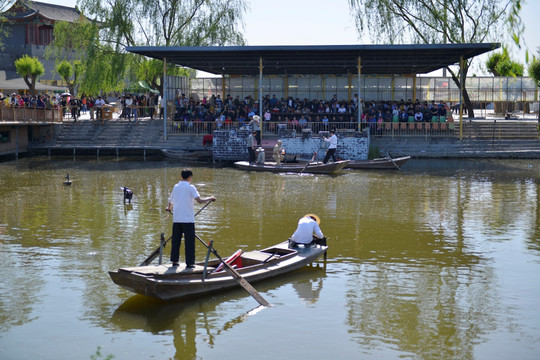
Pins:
x,y
99,108
332,147
129,104
181,205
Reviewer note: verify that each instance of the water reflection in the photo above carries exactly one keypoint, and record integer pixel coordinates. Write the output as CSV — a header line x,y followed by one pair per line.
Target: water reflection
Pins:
x,y
200,322
439,260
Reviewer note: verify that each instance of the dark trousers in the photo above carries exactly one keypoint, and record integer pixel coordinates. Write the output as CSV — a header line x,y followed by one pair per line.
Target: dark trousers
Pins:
x,y
251,152
332,153
188,230
258,137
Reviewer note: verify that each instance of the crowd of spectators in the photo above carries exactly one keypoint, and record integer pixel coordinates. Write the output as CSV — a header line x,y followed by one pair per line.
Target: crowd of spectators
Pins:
x,y
301,114
405,111
294,112
274,109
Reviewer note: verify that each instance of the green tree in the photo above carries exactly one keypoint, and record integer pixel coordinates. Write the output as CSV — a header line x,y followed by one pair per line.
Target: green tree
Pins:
x,y
101,67
70,73
500,64
534,72
165,23
151,72
438,21
30,68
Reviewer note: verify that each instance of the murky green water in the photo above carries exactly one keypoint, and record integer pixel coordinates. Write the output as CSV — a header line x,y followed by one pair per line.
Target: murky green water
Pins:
x,y
438,261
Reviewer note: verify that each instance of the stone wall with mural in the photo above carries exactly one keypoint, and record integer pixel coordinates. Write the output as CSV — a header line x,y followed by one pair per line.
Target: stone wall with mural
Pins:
x,y
231,145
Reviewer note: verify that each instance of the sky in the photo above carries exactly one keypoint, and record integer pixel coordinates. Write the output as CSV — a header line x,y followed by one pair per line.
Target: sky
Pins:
x,y
321,22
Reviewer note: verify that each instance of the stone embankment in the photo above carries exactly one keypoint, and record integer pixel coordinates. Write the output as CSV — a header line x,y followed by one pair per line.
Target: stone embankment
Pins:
x,y
147,135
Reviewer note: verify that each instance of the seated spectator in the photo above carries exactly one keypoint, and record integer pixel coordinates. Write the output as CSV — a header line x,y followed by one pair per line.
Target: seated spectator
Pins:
x,y
418,116
302,122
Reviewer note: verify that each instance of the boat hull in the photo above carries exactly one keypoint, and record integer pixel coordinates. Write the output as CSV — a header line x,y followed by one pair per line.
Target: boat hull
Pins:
x,y
186,155
313,168
382,163
166,282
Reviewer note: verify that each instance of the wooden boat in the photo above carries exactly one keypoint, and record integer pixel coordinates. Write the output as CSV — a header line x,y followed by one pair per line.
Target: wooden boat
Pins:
x,y
169,282
189,155
380,163
313,167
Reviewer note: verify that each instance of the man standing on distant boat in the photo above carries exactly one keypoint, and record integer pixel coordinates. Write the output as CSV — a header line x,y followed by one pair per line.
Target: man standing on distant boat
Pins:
x,y
308,231
181,205
251,146
256,126
332,147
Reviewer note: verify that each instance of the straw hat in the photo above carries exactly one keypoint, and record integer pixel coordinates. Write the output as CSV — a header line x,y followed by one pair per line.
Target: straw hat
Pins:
x,y
256,118
315,217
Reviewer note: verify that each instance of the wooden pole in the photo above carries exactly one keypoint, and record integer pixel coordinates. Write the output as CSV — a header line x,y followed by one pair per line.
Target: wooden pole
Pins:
x,y
359,110
243,282
261,97
461,97
164,98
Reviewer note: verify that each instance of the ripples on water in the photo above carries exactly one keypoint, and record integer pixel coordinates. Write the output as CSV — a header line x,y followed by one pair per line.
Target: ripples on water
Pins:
x,y
439,260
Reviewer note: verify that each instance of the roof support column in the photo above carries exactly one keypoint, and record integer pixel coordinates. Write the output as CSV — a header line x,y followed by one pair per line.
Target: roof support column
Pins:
x,y
260,95
164,98
461,97
349,83
359,106
414,88
223,89
286,86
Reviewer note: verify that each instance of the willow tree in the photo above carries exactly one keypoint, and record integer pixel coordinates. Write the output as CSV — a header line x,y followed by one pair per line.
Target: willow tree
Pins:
x,y
439,22
71,74
150,71
101,66
534,72
30,68
167,23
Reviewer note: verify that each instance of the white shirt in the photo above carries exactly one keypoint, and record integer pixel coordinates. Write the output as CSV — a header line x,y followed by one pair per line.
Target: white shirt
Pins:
x,y
304,233
100,102
182,197
332,141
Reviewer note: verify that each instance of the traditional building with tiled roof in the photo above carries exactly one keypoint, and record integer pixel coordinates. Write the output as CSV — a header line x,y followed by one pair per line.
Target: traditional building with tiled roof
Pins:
x,y
30,29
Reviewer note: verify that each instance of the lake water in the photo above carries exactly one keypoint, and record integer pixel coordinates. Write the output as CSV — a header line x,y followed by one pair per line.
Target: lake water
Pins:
x,y
440,260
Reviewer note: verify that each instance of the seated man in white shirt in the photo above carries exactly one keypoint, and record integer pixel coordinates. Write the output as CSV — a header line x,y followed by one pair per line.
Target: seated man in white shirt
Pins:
x,y
308,232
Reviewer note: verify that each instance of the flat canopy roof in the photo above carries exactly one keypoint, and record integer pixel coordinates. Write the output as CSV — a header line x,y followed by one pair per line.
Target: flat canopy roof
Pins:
x,y
324,59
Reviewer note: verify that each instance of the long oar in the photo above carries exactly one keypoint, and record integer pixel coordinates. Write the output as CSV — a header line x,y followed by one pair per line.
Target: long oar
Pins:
x,y
305,167
243,282
153,255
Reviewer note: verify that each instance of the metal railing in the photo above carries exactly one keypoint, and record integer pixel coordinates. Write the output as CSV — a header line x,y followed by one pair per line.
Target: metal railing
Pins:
x,y
476,129
25,114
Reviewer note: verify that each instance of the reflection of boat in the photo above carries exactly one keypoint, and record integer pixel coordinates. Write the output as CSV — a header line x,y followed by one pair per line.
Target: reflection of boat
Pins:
x,y
380,163
190,155
313,167
168,282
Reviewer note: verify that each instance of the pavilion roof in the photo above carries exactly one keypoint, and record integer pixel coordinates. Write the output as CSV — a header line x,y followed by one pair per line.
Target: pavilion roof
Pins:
x,y
321,59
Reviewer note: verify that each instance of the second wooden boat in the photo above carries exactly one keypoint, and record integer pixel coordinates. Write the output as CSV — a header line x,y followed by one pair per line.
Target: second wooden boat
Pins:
x,y
380,163
312,167
189,155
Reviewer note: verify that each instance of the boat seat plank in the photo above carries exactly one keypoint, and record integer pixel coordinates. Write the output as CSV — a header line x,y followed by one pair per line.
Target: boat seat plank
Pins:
x,y
165,269
257,256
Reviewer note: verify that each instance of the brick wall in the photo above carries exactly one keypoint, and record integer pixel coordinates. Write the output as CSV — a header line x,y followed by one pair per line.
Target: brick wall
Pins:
x,y
231,146
351,148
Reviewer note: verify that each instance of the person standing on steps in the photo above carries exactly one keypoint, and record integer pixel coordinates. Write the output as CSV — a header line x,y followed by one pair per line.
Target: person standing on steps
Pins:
x,y
181,206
